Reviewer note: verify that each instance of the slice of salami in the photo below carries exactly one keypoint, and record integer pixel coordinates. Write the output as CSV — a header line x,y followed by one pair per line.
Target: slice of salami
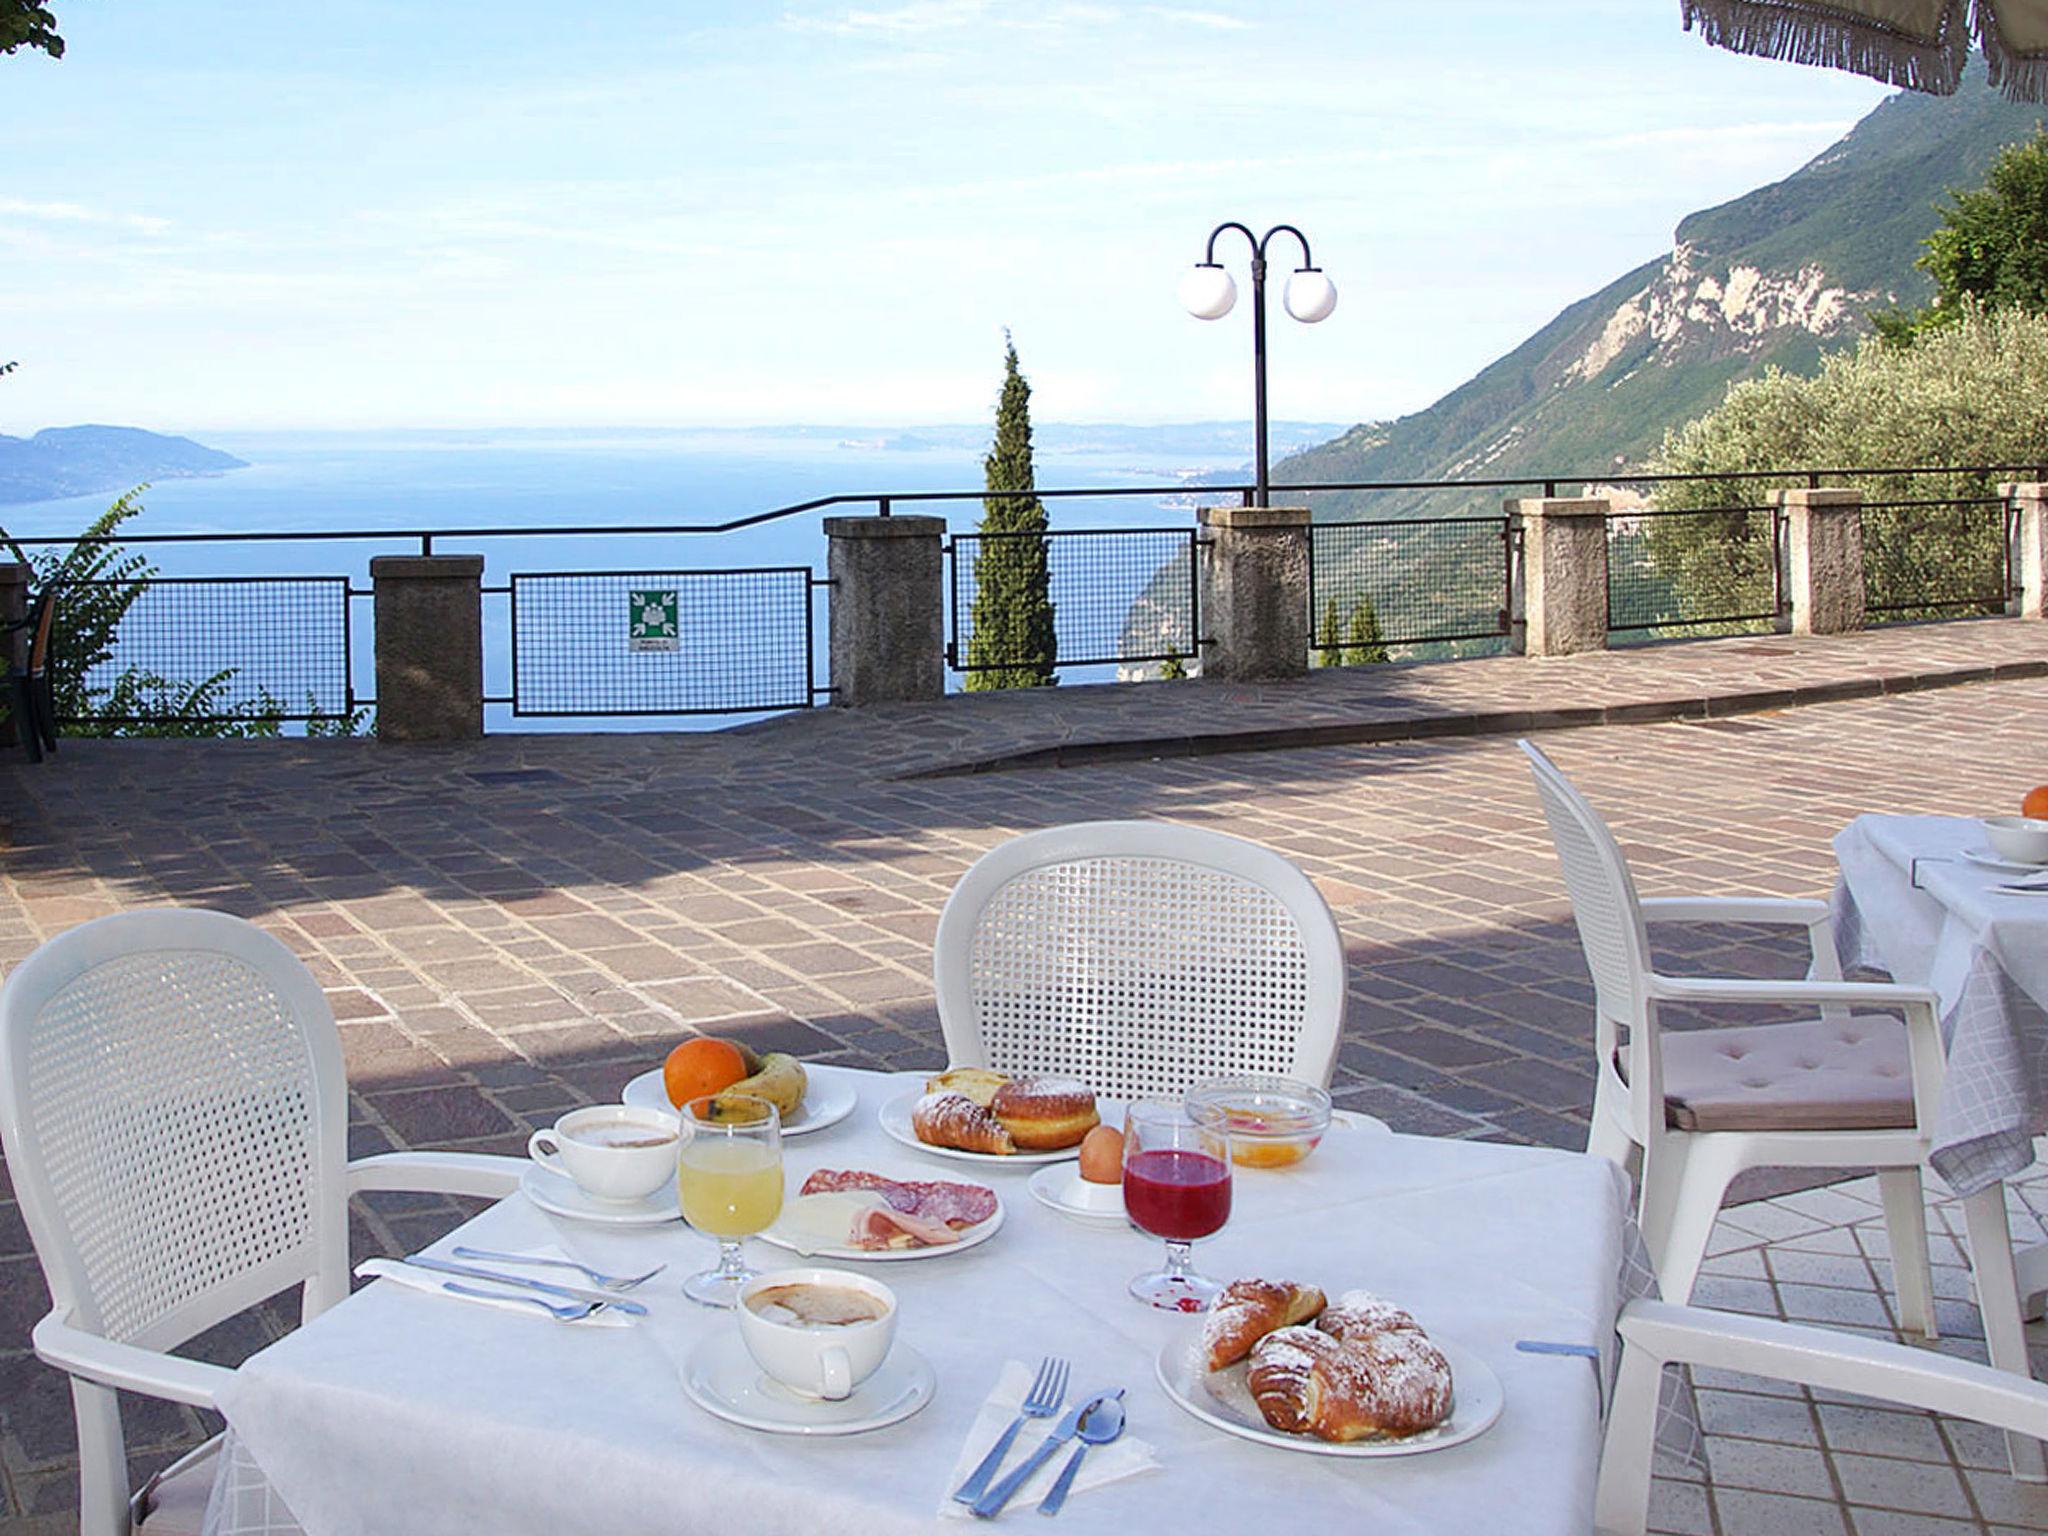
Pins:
x,y
939,1200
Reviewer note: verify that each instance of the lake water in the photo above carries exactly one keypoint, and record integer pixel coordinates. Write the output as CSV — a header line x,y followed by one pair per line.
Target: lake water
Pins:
x,y
406,483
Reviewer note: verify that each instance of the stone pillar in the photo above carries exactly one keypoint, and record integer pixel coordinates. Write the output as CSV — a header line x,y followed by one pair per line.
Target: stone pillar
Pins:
x,y
1563,573
1255,592
888,579
13,641
2030,557
430,646
1824,560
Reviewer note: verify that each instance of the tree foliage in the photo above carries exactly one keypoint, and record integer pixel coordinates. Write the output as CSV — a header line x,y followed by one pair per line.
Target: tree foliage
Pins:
x,y
1353,642
29,24
1991,246
1973,393
1011,644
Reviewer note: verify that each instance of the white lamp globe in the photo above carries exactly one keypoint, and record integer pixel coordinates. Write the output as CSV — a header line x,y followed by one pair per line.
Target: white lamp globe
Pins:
x,y
1207,292
1310,295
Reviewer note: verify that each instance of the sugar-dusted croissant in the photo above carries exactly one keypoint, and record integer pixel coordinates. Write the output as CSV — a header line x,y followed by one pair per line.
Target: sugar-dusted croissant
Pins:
x,y
1363,1312
1390,1383
954,1120
1247,1311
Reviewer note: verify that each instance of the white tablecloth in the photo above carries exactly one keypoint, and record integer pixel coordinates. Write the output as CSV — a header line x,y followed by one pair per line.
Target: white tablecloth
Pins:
x,y
398,1412
1910,904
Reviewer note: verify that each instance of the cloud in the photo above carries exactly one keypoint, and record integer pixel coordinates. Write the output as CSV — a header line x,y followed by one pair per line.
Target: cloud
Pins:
x,y
78,213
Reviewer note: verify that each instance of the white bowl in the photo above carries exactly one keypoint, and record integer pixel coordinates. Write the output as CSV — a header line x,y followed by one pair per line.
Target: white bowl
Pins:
x,y
2023,839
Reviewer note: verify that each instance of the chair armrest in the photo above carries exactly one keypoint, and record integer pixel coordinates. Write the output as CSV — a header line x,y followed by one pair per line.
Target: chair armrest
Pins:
x,y
440,1173
1836,1360
127,1366
1729,989
1800,911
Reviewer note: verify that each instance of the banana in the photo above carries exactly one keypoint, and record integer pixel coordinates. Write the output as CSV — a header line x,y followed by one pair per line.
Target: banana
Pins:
x,y
780,1081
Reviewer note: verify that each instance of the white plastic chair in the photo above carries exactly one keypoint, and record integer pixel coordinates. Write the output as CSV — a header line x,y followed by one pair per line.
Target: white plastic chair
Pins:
x,y
1141,957
174,1113
1656,1333
1846,1090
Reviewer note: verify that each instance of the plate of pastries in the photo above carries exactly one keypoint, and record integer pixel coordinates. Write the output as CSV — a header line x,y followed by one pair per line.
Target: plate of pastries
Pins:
x,y
981,1115
1278,1362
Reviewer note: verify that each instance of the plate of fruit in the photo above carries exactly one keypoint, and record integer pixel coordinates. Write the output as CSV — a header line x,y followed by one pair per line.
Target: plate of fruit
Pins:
x,y
808,1099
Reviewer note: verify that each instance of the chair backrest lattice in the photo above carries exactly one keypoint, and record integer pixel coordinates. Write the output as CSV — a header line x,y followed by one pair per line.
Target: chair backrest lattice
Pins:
x,y
1141,958
1602,891
173,1113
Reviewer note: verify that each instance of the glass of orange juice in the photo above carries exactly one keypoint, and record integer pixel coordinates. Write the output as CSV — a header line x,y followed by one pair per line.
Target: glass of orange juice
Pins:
x,y
729,1177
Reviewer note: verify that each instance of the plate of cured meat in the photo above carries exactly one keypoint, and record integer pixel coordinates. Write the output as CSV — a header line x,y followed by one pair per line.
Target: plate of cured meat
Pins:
x,y
858,1215
1279,1363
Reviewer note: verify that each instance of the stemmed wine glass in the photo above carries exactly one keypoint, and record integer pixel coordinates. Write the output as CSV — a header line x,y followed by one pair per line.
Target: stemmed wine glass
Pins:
x,y
1176,1186
729,1177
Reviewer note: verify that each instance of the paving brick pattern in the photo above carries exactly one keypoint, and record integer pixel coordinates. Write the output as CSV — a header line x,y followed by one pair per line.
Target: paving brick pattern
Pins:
x,y
514,928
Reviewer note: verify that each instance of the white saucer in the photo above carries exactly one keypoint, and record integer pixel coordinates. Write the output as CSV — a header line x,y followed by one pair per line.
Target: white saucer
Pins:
x,y
829,1097
1986,859
895,1122
970,1237
1222,1399
1051,1186
557,1194
721,1378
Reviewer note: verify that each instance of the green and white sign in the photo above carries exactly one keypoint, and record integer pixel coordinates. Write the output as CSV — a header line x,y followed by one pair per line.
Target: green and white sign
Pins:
x,y
651,621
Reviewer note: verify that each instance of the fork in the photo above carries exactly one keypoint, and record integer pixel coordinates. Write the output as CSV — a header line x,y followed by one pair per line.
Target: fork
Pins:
x,y
567,1312
1048,1391
598,1277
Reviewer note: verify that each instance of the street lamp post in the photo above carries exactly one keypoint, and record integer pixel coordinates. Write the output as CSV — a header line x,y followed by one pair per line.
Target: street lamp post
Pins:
x,y
1208,293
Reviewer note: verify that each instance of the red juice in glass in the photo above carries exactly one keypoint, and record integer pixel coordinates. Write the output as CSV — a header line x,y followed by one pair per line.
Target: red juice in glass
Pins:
x,y
1177,1194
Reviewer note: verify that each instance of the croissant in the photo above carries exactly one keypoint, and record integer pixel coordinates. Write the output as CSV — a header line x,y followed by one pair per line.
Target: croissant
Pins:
x,y
1247,1311
1388,1383
954,1120
1362,1311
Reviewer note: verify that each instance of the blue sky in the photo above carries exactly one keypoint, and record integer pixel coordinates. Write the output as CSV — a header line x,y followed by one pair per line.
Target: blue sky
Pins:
x,y
232,215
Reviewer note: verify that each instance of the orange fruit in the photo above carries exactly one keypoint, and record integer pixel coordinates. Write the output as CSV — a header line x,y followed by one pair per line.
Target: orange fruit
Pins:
x,y
700,1066
2036,803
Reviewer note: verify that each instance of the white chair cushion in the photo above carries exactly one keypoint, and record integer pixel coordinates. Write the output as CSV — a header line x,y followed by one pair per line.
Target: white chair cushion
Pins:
x,y
1818,1075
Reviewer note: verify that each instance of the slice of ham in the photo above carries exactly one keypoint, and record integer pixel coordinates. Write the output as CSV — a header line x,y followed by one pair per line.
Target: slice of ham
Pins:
x,y
883,1226
937,1201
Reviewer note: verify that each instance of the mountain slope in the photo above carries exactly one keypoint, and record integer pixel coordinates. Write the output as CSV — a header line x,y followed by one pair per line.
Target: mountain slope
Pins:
x,y
1774,277
84,461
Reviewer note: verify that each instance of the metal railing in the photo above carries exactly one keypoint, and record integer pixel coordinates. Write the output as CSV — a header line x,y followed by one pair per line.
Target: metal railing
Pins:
x,y
746,639
1685,571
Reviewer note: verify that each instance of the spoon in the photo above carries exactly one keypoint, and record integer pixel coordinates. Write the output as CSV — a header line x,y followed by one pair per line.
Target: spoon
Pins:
x,y
1099,1425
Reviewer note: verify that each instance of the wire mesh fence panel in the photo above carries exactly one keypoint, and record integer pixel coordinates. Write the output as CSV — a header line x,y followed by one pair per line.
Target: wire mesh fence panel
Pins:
x,y
1934,559
1395,581
1117,595
168,649
1713,569
661,642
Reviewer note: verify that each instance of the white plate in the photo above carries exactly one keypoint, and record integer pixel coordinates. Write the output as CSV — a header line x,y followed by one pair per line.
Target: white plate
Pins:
x,y
1222,1399
895,1121
1989,860
557,1193
722,1379
829,1097
1048,1186
972,1237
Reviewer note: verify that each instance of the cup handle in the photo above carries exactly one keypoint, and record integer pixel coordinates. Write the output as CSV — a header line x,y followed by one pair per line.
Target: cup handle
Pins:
x,y
836,1371
545,1148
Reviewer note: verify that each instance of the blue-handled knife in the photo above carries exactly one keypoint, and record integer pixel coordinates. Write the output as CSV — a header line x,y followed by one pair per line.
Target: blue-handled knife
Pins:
x,y
991,1504
521,1282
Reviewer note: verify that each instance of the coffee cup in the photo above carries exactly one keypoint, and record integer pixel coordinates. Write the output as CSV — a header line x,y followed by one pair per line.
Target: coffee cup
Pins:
x,y
818,1332
613,1152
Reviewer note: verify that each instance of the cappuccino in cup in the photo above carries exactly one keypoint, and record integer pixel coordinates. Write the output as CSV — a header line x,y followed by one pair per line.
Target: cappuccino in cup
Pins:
x,y
613,1152
818,1332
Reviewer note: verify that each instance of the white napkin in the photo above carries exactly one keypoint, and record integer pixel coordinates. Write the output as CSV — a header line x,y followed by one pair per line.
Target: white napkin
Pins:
x,y
1124,1456
433,1284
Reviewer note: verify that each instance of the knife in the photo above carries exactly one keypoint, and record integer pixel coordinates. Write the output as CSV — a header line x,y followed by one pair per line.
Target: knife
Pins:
x,y
520,1282
991,1504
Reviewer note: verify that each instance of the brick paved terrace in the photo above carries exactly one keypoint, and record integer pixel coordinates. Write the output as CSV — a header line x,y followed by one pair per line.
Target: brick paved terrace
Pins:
x,y
510,929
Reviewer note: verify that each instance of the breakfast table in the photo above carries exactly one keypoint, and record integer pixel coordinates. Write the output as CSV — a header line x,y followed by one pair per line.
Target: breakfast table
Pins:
x,y
396,1411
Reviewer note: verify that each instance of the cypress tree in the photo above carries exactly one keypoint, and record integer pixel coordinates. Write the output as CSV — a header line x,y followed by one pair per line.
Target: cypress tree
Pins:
x,y
1326,652
1363,644
1013,620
